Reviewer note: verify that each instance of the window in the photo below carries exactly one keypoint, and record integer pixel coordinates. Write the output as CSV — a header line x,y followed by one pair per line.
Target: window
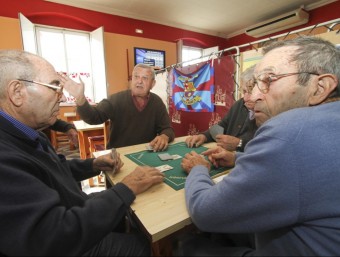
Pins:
x,y
191,53
195,54
72,52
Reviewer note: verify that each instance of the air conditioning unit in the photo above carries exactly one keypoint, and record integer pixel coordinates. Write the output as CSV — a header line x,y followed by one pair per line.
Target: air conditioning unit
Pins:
x,y
282,22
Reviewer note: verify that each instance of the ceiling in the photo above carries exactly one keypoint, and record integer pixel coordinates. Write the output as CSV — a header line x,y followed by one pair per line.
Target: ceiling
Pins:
x,y
223,18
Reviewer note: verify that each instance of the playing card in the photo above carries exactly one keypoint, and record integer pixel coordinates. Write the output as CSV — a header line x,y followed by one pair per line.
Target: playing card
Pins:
x,y
165,167
114,156
165,156
176,156
149,148
215,130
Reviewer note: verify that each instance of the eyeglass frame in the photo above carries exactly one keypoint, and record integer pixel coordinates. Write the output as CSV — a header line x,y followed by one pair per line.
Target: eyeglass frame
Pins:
x,y
57,89
277,76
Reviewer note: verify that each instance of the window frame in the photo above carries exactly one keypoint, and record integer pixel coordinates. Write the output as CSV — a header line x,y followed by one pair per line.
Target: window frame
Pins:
x,y
97,53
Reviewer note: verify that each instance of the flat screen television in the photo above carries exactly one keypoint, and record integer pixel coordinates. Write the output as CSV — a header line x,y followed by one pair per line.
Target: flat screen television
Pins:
x,y
152,57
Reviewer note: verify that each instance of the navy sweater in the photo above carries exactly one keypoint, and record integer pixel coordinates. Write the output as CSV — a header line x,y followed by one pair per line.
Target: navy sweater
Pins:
x,y
42,209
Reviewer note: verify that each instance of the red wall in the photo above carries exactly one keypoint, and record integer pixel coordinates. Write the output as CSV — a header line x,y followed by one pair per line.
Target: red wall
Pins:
x,y
54,14
48,13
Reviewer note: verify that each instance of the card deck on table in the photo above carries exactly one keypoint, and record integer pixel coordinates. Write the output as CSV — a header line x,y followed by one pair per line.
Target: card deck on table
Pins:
x,y
165,156
165,167
176,156
215,130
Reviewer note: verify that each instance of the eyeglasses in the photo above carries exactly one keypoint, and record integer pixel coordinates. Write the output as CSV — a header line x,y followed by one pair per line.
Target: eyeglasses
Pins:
x,y
248,87
266,79
57,89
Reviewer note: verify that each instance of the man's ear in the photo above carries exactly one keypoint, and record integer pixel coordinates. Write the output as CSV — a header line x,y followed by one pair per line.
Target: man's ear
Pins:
x,y
16,92
153,84
327,83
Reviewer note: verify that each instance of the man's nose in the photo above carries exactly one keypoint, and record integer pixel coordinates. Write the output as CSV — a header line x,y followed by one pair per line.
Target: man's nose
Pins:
x,y
62,98
255,94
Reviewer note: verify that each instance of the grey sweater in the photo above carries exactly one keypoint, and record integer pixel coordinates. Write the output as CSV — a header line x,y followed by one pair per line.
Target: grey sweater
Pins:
x,y
285,187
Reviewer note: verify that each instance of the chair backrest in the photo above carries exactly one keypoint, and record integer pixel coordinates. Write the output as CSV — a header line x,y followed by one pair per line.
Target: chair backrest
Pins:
x,y
99,143
107,125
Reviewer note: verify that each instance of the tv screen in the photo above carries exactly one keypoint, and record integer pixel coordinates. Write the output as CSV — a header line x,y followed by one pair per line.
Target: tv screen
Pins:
x,y
152,57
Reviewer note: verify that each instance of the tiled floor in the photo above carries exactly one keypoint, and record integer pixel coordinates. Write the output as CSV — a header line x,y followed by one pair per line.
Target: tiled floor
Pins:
x,y
71,154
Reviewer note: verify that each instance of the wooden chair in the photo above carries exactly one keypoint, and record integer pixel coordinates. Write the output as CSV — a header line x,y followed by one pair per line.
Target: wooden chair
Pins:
x,y
70,117
98,143
58,138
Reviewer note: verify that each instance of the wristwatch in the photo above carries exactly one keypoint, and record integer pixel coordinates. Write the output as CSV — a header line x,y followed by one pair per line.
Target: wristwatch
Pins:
x,y
239,146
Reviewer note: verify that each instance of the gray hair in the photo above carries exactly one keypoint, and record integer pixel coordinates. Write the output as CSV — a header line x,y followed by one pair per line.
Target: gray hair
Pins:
x,y
15,64
247,74
145,66
314,55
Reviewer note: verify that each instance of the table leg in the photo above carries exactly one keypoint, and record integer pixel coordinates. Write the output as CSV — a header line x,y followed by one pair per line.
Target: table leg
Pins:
x,y
162,247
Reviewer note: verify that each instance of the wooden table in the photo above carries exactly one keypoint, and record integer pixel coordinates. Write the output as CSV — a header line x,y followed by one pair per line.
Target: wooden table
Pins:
x,y
84,132
71,116
161,210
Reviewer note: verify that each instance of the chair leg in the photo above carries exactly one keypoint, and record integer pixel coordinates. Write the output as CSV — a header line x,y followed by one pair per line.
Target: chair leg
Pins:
x,y
72,147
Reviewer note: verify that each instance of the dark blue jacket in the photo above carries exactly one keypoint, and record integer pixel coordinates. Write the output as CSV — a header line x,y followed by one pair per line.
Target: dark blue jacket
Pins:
x,y
42,209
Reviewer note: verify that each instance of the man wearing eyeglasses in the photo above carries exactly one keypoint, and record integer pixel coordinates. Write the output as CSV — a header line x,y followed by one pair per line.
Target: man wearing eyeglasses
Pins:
x,y
43,211
285,187
238,124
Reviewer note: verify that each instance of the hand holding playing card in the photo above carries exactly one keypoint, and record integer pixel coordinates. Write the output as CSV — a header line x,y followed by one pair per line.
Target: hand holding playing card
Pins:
x,y
220,157
193,159
227,142
106,163
117,161
216,130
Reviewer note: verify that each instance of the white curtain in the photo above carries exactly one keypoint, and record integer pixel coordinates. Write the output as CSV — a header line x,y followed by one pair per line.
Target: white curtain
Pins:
x,y
161,87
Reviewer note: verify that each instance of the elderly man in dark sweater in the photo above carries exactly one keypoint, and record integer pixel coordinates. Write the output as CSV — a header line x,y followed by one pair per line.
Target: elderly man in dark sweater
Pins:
x,y
137,115
238,124
43,211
